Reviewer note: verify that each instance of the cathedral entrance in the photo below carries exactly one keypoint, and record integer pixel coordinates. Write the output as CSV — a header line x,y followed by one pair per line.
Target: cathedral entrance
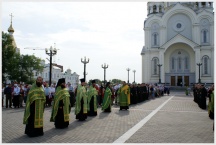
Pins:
x,y
172,80
186,80
179,81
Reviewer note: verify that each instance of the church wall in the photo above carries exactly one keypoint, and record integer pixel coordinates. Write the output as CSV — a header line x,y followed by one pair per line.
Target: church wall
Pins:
x,y
179,23
190,43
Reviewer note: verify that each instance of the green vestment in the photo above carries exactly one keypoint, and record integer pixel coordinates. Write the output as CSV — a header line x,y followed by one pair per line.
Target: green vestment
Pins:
x,y
107,99
81,94
92,92
61,94
35,94
124,95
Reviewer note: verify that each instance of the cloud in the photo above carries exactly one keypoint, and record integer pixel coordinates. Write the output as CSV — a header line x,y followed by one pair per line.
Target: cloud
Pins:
x,y
105,32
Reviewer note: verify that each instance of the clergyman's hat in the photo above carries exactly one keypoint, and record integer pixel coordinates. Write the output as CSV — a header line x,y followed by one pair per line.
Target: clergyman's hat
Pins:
x,y
60,81
82,80
93,81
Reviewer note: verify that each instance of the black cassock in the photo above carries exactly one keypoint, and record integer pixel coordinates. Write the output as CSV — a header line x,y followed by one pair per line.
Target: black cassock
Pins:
x,y
59,119
92,112
81,116
30,130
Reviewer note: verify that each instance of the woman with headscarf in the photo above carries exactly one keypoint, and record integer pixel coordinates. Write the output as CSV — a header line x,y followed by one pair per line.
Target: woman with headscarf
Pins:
x,y
106,105
61,106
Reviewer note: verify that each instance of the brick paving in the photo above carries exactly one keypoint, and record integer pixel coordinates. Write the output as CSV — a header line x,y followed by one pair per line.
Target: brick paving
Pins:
x,y
179,121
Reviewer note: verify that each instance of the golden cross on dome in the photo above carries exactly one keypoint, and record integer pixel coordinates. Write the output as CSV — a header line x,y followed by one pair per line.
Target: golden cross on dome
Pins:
x,y
11,17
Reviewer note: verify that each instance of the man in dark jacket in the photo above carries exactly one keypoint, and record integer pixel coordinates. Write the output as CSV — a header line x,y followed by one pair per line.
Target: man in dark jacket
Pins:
x,y
8,92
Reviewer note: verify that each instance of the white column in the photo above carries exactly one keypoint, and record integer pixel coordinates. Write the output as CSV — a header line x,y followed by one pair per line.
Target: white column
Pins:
x,y
151,9
207,4
161,61
157,8
200,5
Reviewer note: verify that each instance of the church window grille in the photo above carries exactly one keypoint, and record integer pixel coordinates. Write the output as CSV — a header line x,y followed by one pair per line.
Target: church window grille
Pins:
x,y
179,62
186,62
155,66
204,36
206,65
203,4
155,39
155,61
173,63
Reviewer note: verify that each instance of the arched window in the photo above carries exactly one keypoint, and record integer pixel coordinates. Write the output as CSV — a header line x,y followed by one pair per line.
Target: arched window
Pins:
x,y
206,65
155,62
155,39
179,63
173,63
204,36
186,63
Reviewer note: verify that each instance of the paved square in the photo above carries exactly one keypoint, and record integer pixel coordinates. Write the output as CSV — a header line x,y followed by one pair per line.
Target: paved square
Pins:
x,y
179,121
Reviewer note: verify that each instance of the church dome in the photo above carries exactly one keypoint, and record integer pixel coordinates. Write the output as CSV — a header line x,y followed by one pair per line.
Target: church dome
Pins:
x,y
10,29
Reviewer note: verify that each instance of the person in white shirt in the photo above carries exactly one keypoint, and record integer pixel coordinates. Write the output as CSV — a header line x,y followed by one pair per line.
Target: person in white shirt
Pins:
x,y
16,94
52,90
47,91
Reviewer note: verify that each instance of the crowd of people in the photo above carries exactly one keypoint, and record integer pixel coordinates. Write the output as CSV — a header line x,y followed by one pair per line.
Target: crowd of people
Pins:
x,y
86,99
201,93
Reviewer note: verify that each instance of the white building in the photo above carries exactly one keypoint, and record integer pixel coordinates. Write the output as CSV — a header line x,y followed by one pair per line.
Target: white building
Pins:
x,y
57,73
178,35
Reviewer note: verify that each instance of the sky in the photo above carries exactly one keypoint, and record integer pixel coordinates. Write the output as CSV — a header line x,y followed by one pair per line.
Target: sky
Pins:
x,y
104,32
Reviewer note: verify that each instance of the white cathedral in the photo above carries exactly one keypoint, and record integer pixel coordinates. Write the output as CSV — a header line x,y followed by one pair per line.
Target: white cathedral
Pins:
x,y
179,43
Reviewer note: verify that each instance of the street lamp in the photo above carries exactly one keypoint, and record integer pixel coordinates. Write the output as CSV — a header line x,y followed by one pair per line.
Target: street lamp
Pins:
x,y
128,69
159,65
199,64
85,62
134,75
85,75
104,67
51,52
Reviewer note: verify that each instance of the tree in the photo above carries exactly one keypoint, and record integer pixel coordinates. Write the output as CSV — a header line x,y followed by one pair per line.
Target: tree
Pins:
x,y
28,63
8,52
17,67
116,81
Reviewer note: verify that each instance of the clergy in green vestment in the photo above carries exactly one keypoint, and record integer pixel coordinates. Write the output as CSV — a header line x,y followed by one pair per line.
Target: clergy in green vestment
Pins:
x,y
81,101
106,105
34,110
92,99
61,106
124,95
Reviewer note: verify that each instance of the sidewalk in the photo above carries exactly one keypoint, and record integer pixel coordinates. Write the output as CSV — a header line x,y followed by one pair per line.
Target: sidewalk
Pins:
x,y
180,120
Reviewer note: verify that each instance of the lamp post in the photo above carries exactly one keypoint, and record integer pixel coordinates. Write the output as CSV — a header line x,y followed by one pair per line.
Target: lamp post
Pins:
x,y
85,62
51,52
159,65
134,75
104,67
128,69
199,64
85,75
